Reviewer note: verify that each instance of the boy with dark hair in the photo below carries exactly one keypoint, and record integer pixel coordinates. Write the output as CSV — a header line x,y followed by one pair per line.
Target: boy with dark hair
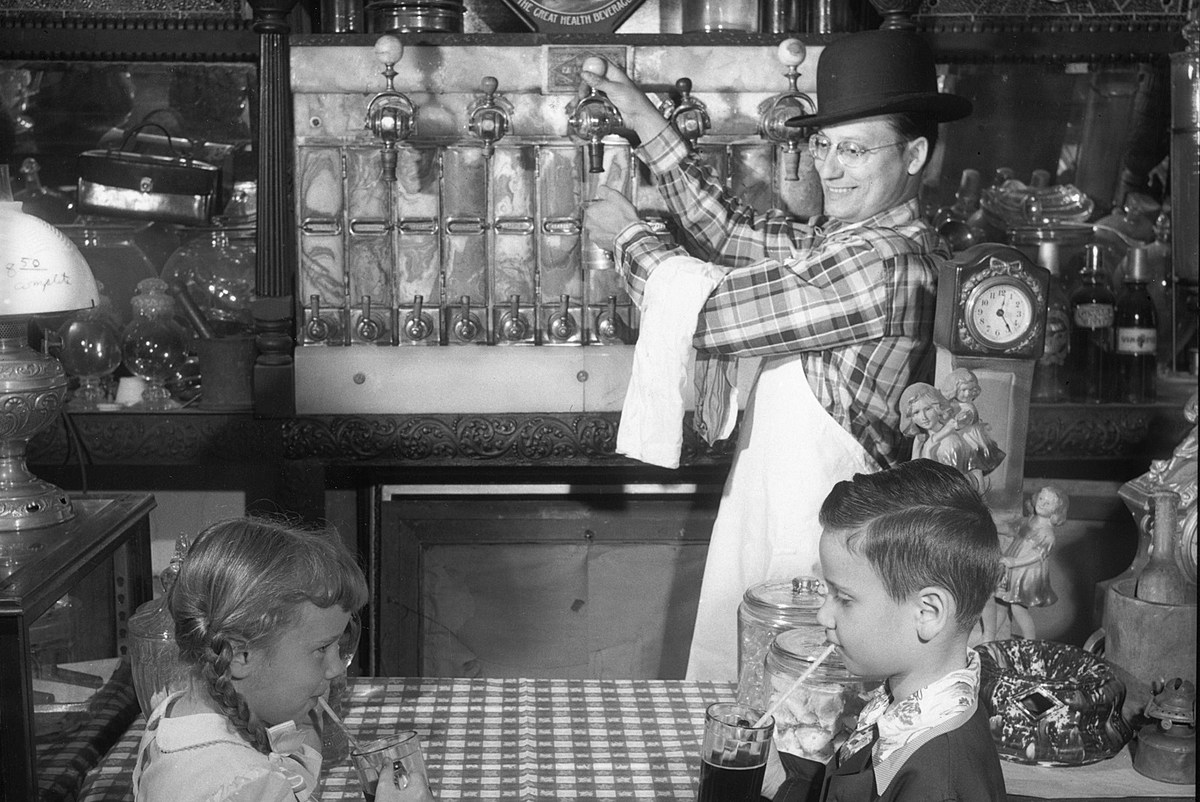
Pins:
x,y
910,556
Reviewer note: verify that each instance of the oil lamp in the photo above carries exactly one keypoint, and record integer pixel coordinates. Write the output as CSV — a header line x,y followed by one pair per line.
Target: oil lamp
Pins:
x,y
41,273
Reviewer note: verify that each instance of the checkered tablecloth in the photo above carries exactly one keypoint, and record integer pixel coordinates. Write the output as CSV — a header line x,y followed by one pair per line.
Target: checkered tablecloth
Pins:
x,y
512,738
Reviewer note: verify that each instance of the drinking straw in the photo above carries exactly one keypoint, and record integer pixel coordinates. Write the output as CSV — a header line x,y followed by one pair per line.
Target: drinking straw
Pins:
x,y
355,746
800,679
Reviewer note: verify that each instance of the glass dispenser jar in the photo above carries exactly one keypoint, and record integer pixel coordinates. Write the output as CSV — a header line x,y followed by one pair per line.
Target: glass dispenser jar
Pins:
x,y
90,352
216,270
768,609
818,716
153,652
154,345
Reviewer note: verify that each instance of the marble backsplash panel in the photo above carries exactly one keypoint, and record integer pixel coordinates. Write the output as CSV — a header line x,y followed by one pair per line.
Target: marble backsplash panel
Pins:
x,y
468,237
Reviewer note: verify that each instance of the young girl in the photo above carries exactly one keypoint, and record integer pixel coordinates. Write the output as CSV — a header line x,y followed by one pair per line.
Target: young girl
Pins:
x,y
259,611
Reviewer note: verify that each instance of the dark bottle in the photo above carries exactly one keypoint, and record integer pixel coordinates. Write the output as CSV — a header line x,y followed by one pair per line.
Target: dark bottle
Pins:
x,y
1136,324
1093,307
1050,371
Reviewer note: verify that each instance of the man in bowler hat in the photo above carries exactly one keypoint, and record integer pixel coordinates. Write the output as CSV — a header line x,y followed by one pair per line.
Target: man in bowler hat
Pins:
x,y
841,307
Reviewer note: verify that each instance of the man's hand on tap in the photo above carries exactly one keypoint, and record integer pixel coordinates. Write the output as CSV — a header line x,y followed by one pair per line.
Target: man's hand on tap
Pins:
x,y
638,111
607,215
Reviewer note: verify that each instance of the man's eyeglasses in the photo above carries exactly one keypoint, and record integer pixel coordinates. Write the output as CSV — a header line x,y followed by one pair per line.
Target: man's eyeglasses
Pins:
x,y
850,154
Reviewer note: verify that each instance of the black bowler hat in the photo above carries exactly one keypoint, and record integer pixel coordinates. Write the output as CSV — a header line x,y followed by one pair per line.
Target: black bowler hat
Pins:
x,y
879,72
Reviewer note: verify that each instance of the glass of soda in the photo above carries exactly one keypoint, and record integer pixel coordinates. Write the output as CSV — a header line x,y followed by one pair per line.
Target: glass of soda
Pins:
x,y
402,751
733,758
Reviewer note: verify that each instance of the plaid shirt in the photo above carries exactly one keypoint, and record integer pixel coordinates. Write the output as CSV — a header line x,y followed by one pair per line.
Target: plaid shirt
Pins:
x,y
856,299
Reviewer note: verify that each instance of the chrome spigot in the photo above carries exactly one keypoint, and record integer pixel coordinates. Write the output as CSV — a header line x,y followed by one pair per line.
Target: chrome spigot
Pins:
x,y
608,325
561,326
466,325
513,325
775,111
591,118
391,116
418,325
489,117
368,327
320,327
688,115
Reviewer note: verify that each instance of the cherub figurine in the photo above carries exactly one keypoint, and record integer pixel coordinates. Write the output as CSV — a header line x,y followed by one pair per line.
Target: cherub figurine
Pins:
x,y
926,415
1026,560
961,387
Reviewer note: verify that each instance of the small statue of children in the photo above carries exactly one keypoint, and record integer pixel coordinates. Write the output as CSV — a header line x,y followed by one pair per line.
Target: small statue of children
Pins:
x,y
1027,560
925,414
961,387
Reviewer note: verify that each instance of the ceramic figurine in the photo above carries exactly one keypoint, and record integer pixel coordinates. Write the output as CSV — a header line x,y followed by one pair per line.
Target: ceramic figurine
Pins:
x,y
927,416
961,388
1027,561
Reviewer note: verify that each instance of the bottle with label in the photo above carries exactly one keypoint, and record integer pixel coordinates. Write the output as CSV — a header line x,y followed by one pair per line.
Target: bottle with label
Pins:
x,y
1049,372
1093,307
1136,324
1162,289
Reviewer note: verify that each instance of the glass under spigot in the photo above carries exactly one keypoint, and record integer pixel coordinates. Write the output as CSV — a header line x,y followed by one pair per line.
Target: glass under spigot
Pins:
x,y
775,111
688,115
490,115
391,116
591,118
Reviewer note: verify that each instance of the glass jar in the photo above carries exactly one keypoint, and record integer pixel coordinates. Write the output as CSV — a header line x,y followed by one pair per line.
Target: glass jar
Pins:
x,y
153,652
216,269
90,352
154,345
768,609
820,714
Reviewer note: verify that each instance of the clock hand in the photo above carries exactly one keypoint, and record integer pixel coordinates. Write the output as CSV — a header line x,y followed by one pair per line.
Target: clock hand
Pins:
x,y
1003,319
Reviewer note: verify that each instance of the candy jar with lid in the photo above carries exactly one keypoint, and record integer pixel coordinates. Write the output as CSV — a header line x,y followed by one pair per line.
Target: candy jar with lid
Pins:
x,y
766,610
216,269
154,345
90,351
818,716
153,652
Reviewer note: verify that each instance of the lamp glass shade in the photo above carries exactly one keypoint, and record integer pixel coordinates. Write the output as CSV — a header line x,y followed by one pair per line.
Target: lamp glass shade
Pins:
x,y
42,270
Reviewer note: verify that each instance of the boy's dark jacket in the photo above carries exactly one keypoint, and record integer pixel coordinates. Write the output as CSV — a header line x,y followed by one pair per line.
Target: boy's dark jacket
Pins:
x,y
956,766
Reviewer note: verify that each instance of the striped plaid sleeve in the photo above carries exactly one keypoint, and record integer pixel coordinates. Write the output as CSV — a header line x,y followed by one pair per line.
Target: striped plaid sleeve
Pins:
x,y
833,295
716,225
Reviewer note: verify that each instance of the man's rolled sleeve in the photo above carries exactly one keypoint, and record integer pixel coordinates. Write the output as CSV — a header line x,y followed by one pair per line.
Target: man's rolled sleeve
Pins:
x,y
637,251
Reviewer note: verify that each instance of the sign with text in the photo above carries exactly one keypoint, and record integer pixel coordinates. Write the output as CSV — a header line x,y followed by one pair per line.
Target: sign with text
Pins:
x,y
573,16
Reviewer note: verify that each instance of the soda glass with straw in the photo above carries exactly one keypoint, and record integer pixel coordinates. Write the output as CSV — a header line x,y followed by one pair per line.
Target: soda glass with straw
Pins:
x,y
334,746
733,758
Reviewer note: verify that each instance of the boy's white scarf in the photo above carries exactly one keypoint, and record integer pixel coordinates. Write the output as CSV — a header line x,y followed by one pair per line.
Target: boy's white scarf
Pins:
x,y
905,725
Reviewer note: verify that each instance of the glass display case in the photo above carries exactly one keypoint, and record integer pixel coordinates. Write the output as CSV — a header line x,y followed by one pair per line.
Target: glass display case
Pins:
x,y
66,594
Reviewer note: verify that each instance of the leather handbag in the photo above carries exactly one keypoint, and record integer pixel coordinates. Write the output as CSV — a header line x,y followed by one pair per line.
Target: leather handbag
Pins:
x,y
145,186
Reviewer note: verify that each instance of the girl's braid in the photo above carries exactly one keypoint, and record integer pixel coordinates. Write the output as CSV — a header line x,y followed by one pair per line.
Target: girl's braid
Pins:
x,y
214,670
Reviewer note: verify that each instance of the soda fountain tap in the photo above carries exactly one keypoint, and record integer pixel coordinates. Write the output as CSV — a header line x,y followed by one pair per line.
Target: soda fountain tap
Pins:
x,y
320,327
688,115
391,116
368,327
513,325
418,325
608,325
775,111
593,117
489,117
466,324
561,325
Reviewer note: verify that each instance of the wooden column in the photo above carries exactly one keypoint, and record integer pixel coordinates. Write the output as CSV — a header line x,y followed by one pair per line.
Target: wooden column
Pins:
x,y
275,274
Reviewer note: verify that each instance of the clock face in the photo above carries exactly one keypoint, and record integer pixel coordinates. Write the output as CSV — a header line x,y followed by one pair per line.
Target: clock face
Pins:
x,y
1000,311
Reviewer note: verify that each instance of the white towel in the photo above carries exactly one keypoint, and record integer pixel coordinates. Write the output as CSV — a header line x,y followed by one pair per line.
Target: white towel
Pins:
x,y
651,428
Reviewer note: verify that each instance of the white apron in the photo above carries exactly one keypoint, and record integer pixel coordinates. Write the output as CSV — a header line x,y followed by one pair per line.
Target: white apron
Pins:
x,y
790,454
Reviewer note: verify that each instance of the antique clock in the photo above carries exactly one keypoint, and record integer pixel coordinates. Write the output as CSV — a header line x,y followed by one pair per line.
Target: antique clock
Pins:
x,y
991,320
992,302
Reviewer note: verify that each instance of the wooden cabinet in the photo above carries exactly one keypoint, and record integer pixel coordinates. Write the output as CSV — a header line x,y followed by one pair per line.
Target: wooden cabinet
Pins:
x,y
66,595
